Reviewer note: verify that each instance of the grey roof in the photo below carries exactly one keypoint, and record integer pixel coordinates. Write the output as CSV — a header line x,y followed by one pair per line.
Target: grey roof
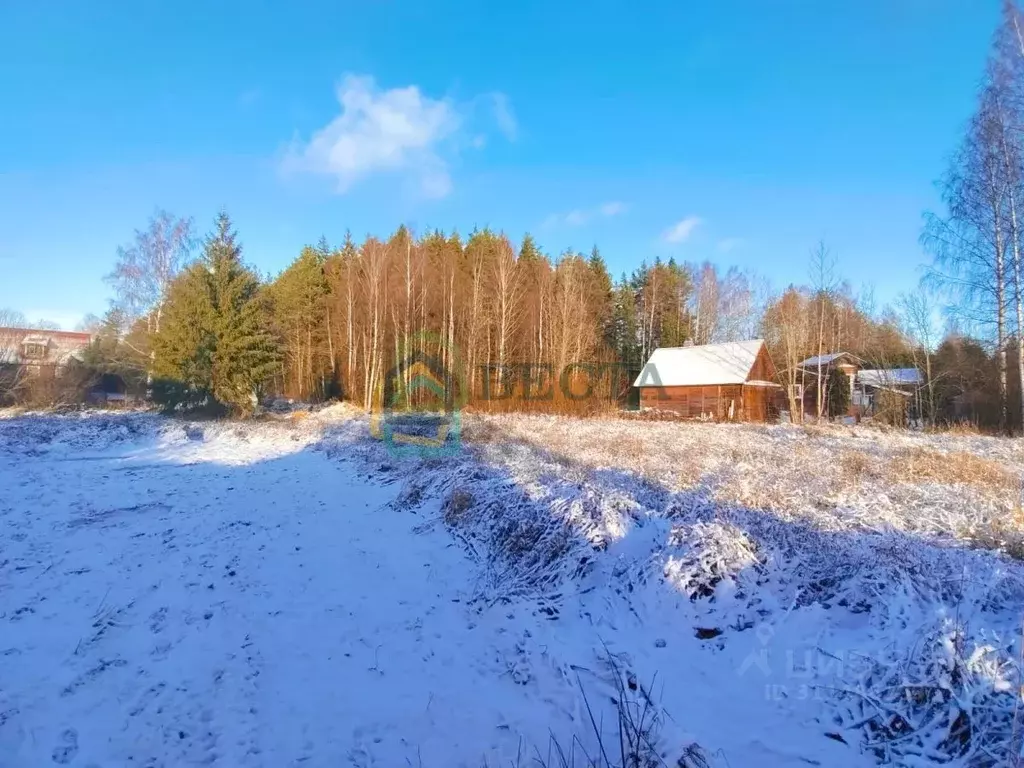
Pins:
x,y
812,362
890,377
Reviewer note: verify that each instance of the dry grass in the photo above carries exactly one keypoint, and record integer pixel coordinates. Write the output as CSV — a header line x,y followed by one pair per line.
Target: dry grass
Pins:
x,y
456,506
960,428
843,477
923,465
598,406
477,430
858,466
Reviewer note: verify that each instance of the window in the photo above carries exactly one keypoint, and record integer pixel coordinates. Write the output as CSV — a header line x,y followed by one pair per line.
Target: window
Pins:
x,y
796,391
34,350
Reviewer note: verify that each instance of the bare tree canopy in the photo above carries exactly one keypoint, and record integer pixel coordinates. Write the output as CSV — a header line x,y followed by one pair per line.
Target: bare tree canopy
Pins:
x,y
145,268
976,241
12,318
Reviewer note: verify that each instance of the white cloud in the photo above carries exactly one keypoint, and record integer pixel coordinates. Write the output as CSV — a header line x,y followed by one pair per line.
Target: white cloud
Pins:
x,y
577,218
250,97
504,116
729,244
613,208
580,216
400,130
680,231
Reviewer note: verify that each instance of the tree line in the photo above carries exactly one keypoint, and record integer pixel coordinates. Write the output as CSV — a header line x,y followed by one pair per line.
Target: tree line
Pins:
x,y
192,323
336,320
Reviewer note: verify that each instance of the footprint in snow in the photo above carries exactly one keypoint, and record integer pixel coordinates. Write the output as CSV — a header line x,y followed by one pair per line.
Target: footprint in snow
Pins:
x,y
66,751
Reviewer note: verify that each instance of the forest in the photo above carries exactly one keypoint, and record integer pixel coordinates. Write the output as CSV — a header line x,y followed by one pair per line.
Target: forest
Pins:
x,y
193,323
198,324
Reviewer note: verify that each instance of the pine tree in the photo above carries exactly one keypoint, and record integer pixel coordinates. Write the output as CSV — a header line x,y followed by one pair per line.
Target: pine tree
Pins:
x,y
214,347
183,347
625,327
299,298
602,295
244,353
528,251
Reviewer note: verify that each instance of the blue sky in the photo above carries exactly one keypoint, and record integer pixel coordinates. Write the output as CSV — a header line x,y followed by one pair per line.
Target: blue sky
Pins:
x,y
740,132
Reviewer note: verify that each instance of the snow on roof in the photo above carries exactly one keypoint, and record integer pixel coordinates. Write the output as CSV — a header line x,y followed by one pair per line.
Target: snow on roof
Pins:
x,y
891,377
704,365
79,336
66,356
824,359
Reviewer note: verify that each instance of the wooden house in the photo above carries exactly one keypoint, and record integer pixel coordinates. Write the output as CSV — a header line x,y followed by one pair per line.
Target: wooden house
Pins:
x,y
734,381
871,390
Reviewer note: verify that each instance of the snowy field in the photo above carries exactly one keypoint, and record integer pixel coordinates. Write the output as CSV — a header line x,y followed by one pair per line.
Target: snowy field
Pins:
x,y
287,593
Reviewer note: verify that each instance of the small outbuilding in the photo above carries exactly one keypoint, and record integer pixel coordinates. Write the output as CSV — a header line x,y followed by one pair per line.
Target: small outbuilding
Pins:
x,y
873,391
734,381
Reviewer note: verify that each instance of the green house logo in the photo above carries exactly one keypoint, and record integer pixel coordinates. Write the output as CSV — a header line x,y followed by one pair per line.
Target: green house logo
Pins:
x,y
419,411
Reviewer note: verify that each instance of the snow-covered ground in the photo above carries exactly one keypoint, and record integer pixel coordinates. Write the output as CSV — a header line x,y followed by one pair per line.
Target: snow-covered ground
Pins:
x,y
289,594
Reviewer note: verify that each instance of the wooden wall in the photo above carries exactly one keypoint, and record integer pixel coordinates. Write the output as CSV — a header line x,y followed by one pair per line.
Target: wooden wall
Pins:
x,y
759,404
763,368
693,402
746,403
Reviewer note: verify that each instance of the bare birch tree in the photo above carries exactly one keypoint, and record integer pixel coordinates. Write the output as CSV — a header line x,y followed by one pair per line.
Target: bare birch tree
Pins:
x,y
507,295
145,268
970,241
917,311
823,279
787,328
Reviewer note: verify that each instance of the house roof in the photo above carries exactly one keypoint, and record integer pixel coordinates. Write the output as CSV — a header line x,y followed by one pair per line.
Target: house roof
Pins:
x,y
831,357
78,336
891,377
704,365
63,344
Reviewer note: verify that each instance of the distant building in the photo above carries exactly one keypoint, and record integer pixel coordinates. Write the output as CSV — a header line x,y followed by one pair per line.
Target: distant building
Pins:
x,y
734,381
34,349
869,387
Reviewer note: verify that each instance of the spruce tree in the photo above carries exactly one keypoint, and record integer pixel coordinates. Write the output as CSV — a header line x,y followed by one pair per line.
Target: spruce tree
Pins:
x,y
602,295
214,347
182,350
244,353
625,326
528,251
